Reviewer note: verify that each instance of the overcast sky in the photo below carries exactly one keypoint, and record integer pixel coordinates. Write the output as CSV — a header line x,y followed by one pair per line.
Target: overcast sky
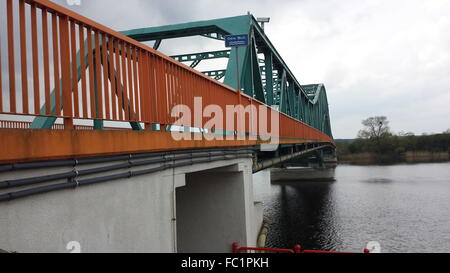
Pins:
x,y
385,57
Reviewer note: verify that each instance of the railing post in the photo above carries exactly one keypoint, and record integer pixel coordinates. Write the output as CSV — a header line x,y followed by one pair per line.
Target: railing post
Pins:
x,y
65,69
144,89
298,249
235,248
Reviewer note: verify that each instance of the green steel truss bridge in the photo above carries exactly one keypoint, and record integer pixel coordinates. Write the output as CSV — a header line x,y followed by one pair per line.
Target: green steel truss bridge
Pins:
x,y
264,74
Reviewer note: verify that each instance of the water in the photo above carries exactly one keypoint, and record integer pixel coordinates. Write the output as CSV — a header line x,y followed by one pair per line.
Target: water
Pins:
x,y
406,208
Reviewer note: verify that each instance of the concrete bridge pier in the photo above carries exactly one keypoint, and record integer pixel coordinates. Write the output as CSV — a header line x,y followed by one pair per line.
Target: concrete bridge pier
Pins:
x,y
216,207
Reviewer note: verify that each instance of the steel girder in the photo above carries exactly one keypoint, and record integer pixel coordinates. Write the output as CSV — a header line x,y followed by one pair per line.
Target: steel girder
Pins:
x,y
196,58
216,74
217,36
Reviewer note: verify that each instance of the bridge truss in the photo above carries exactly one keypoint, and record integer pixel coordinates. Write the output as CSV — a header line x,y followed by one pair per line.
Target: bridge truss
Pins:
x,y
263,73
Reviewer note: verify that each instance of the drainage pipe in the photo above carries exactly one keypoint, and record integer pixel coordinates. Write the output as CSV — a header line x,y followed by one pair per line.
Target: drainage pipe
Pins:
x,y
78,183
129,164
105,159
272,162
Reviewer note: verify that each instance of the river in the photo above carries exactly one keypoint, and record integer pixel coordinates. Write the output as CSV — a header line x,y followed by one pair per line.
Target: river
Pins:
x,y
406,208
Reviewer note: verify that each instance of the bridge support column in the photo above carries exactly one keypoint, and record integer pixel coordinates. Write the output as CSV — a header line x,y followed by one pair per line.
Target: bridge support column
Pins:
x,y
216,208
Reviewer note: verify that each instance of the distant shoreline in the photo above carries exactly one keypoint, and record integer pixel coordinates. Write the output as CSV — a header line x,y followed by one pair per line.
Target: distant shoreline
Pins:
x,y
383,159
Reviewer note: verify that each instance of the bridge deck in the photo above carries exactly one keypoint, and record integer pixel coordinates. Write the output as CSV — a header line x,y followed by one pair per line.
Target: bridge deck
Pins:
x,y
21,145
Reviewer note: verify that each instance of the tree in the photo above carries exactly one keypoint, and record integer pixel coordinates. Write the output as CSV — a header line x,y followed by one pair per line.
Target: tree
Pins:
x,y
375,128
376,131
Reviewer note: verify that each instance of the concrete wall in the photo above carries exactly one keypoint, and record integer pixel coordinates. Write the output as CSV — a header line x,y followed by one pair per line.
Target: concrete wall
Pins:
x,y
261,184
261,189
211,212
128,215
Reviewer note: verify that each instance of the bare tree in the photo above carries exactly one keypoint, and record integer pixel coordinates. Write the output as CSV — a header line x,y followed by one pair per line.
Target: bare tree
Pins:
x,y
375,128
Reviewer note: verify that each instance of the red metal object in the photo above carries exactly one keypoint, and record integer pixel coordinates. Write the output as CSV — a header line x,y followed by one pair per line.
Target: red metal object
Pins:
x,y
90,64
297,249
37,103
83,72
67,97
98,83
73,47
56,67
105,76
11,62
1,82
112,78
23,57
46,53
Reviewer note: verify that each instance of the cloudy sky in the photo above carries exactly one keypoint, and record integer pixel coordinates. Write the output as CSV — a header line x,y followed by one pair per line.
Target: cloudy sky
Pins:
x,y
377,57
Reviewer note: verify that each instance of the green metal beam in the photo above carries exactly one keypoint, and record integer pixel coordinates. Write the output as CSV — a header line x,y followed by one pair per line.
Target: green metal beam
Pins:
x,y
217,74
291,100
216,36
269,78
258,88
224,26
198,57
283,93
195,63
157,44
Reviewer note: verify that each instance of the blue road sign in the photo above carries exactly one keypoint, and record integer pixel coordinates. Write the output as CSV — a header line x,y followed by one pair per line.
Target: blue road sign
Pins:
x,y
236,40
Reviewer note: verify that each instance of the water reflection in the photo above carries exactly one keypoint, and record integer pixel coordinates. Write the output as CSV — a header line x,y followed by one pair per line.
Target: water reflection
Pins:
x,y
302,214
405,207
377,180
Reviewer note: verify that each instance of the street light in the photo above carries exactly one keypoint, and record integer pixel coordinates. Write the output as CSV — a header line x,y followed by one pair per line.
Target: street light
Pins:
x,y
262,21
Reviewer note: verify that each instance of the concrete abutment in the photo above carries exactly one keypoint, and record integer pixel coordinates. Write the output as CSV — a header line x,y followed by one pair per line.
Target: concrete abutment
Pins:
x,y
198,208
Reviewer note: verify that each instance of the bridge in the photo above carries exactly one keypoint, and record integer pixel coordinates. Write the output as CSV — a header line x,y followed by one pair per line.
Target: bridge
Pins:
x,y
83,105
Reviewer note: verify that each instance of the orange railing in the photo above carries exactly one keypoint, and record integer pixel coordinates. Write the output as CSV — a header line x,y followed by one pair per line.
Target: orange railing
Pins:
x,y
73,68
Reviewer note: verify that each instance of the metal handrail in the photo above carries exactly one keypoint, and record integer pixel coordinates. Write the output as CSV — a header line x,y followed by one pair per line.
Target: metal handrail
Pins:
x,y
84,70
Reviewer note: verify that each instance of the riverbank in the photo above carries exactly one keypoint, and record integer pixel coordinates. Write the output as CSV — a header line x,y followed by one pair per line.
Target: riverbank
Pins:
x,y
302,174
408,157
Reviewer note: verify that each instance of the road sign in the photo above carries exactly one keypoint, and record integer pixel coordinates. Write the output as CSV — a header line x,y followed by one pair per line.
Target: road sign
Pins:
x,y
236,40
